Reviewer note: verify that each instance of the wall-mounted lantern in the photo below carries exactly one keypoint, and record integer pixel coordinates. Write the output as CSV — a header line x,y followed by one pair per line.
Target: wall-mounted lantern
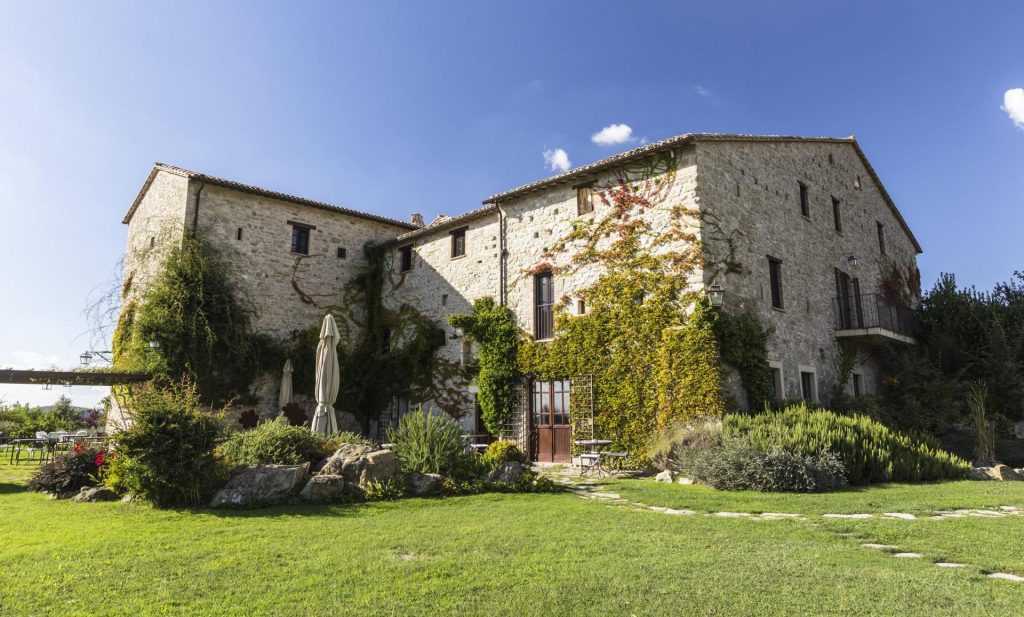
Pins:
x,y
458,332
85,358
716,295
852,261
154,344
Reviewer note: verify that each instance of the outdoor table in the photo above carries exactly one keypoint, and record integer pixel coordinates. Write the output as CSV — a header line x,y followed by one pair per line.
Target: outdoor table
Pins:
x,y
18,444
478,447
596,445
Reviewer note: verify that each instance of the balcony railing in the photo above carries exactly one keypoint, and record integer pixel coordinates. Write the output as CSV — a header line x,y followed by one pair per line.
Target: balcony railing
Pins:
x,y
873,312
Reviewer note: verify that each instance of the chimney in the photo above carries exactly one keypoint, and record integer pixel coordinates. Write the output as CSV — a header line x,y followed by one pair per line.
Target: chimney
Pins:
x,y
416,219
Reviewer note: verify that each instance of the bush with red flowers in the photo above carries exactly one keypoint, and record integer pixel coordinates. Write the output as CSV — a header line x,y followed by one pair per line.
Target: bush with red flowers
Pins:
x,y
65,475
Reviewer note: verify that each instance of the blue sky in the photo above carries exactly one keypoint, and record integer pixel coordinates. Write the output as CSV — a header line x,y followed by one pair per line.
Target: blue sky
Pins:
x,y
430,107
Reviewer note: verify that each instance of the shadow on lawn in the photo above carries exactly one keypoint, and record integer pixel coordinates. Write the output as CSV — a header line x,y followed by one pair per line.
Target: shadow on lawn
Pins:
x,y
8,488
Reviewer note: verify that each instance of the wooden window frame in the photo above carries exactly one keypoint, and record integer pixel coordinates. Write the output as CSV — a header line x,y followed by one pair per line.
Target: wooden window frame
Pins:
x,y
543,311
405,259
775,283
458,240
300,238
813,372
780,386
584,199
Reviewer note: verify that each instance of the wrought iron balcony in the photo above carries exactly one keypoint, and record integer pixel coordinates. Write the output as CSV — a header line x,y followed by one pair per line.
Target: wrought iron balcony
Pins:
x,y
872,316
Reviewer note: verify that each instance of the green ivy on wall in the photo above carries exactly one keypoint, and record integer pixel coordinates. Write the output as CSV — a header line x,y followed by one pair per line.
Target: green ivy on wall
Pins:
x,y
201,323
743,342
493,328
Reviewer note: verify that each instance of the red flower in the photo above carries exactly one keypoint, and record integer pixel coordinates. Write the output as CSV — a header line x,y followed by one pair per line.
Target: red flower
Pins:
x,y
100,459
78,447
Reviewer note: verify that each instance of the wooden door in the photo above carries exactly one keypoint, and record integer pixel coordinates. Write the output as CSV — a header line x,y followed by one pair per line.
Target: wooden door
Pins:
x,y
552,431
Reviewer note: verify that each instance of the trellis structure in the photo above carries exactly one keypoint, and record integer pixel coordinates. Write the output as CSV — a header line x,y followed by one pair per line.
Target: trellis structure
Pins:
x,y
581,413
71,378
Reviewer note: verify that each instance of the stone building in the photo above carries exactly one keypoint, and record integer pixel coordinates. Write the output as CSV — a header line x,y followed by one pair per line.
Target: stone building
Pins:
x,y
797,231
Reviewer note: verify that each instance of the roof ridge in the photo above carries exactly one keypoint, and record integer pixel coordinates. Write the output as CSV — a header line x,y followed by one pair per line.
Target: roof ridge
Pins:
x,y
256,190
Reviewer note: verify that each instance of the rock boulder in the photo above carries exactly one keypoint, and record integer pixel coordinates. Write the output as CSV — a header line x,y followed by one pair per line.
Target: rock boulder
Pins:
x,y
508,472
324,489
95,493
421,484
359,465
1004,472
263,485
664,476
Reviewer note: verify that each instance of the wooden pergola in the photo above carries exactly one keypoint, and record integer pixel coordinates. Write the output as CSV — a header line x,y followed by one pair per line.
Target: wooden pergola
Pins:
x,y
71,378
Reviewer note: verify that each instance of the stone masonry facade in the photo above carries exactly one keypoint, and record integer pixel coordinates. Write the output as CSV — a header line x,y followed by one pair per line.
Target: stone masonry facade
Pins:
x,y
746,188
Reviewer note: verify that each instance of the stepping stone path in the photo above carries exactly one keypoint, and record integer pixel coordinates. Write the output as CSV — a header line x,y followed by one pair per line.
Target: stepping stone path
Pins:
x,y
589,489
1007,577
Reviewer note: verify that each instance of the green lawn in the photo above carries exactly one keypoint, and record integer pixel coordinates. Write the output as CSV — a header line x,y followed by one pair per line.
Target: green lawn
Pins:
x,y
497,555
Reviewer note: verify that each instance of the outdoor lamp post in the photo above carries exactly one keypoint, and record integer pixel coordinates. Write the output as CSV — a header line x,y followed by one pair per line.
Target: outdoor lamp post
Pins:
x,y
716,295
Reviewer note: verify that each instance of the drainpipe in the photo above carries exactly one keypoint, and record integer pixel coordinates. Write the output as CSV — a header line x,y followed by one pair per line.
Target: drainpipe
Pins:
x,y
502,255
195,214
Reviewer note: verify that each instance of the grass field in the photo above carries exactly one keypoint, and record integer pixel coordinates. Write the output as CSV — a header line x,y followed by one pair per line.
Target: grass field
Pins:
x,y
510,555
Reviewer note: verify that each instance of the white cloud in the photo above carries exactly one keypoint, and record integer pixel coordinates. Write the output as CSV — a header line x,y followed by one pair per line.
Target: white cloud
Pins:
x,y
34,359
1013,105
613,134
701,90
557,160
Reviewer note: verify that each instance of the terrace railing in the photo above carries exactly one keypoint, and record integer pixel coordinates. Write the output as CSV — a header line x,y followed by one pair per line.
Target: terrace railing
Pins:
x,y
865,311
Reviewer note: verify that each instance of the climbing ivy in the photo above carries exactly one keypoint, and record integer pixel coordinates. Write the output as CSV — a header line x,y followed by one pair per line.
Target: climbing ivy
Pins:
x,y
201,323
494,328
743,343
689,370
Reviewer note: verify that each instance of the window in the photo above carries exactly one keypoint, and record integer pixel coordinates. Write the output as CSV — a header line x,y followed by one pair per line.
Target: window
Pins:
x,y
858,385
300,237
405,258
881,238
856,183
342,253
444,299
238,234
467,353
584,200
805,206
551,403
778,381
458,243
543,301
775,280
808,385
152,241
837,215
581,307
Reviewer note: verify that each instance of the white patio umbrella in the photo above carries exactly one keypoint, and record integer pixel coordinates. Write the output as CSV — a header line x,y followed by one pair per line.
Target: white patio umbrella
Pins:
x,y
328,379
285,396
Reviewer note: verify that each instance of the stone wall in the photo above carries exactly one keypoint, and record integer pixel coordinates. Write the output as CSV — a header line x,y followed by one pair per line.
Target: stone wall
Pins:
x,y
751,192
157,224
439,285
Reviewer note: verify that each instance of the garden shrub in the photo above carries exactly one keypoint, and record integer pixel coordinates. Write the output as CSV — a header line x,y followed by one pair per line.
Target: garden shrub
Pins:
x,y
739,465
70,472
870,451
427,442
274,443
166,455
674,446
388,490
501,452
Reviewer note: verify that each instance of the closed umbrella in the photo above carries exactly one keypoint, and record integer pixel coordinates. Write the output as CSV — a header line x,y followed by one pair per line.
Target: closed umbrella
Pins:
x,y
286,385
328,379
